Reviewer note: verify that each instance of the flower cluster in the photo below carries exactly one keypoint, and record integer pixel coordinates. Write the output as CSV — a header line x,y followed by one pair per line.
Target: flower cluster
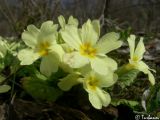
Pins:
x,y
82,53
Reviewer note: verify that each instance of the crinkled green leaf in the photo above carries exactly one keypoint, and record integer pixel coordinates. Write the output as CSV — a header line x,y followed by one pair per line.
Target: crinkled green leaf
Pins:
x,y
126,76
40,89
4,88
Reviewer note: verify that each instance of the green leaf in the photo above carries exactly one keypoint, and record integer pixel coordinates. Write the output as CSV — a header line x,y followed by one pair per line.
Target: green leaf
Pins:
x,y
126,76
40,76
124,34
2,66
2,78
40,89
29,70
4,88
8,59
153,102
131,103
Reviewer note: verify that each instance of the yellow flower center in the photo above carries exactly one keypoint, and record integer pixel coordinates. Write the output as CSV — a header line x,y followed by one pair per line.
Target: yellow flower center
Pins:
x,y
43,48
130,66
135,58
87,50
92,82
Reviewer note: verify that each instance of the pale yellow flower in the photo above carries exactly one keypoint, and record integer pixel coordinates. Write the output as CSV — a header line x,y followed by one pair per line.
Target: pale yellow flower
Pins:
x,y
89,49
42,44
93,83
136,56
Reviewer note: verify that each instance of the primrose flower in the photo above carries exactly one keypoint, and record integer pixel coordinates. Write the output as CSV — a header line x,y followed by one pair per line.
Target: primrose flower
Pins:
x,y
87,48
93,84
42,44
136,56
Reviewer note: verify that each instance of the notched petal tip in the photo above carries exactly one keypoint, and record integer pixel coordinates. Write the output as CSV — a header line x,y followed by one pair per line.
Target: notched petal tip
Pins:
x,y
99,98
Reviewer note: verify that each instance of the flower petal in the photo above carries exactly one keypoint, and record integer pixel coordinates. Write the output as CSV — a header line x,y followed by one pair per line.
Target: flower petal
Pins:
x,y
140,49
108,43
71,36
65,67
30,36
145,69
75,60
67,48
68,82
151,78
47,38
96,26
84,70
56,48
99,65
88,33
99,98
48,27
72,21
48,33
107,80
62,21
112,64
131,42
49,64
27,56
141,66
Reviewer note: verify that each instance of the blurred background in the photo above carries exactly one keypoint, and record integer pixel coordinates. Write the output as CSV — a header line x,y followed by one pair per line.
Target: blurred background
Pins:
x,y
143,16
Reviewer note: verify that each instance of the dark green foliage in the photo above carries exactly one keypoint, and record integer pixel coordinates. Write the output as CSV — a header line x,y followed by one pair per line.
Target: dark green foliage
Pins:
x,y
40,89
130,103
153,102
